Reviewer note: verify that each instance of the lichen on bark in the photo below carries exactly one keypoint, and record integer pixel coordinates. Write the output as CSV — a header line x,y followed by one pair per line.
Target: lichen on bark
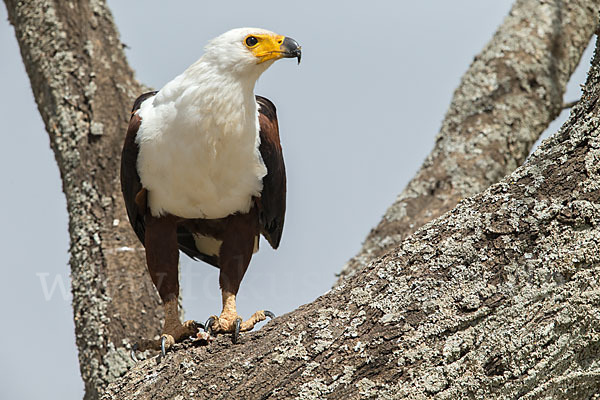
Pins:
x,y
84,88
496,298
509,95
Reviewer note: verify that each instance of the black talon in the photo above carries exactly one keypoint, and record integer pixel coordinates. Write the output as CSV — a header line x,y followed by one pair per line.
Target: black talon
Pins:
x,y
236,332
269,314
163,351
200,325
133,350
208,325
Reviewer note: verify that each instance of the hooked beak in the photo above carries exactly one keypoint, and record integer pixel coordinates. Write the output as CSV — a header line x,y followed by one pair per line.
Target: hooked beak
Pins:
x,y
275,47
290,49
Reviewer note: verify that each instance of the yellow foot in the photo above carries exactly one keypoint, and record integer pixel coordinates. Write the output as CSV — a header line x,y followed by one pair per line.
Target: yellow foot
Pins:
x,y
233,323
172,335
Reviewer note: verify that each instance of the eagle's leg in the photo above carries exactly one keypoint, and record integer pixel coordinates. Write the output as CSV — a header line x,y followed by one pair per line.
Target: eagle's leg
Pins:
x,y
162,257
234,257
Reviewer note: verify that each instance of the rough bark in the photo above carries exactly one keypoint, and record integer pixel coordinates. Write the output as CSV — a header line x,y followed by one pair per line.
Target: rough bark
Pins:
x,y
84,89
511,92
440,316
496,299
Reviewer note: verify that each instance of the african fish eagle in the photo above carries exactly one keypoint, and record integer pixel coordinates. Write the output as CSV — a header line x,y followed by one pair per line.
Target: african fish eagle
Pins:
x,y
202,171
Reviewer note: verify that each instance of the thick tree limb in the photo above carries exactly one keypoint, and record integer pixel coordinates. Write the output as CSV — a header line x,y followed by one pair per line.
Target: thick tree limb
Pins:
x,y
497,299
507,98
84,89
442,317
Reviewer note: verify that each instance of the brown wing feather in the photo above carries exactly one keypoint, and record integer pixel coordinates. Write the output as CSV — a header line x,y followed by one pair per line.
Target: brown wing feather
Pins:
x,y
272,201
130,179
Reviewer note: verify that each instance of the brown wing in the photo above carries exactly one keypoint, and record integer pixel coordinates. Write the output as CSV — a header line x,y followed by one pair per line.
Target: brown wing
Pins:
x,y
271,204
130,179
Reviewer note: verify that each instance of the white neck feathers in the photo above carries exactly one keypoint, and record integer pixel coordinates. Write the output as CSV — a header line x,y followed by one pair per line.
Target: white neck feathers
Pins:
x,y
199,140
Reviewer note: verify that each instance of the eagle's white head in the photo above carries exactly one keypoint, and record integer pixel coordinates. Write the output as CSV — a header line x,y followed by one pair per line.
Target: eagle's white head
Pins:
x,y
249,51
222,81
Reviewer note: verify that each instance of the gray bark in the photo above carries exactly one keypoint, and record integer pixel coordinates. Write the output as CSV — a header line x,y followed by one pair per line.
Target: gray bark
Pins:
x,y
496,299
439,316
509,95
84,90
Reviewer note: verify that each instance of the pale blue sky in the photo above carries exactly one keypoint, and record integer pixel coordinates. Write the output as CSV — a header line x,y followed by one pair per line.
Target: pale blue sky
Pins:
x,y
357,118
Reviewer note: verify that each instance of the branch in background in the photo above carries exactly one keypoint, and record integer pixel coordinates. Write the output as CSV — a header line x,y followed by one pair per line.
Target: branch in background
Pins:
x,y
507,98
570,104
496,299
84,89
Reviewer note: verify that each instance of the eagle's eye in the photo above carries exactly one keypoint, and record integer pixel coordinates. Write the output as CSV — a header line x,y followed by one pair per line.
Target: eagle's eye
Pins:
x,y
251,41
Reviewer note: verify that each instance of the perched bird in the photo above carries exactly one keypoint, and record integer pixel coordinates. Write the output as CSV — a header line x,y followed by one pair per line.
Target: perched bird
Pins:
x,y
202,171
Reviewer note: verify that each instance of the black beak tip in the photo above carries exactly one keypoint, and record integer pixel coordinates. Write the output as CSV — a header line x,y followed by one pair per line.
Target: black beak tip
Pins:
x,y
292,48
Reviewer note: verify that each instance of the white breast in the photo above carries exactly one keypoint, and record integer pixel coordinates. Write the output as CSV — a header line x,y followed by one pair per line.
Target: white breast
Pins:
x,y
198,150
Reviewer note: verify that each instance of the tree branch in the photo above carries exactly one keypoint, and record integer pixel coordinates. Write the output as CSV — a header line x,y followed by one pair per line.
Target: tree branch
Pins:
x,y
507,98
84,88
569,104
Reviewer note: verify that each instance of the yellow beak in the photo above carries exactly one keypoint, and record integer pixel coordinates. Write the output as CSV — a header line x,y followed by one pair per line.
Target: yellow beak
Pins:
x,y
276,47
